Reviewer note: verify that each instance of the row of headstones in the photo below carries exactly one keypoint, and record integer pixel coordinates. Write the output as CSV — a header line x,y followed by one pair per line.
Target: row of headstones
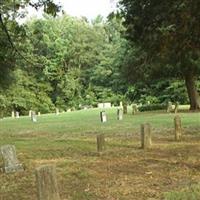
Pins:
x,y
146,141
120,113
46,182
135,108
16,114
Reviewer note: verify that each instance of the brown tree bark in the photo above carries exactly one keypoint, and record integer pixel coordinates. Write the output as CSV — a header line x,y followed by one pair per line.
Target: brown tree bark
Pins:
x,y
192,91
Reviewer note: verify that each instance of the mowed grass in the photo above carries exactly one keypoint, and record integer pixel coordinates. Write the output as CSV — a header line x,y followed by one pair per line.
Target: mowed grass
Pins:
x,y
123,172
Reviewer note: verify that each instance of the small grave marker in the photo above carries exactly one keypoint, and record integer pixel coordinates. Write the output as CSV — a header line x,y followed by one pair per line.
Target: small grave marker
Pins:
x,y
100,143
119,114
47,187
169,106
30,113
146,136
17,115
39,114
33,116
11,163
57,111
178,128
134,109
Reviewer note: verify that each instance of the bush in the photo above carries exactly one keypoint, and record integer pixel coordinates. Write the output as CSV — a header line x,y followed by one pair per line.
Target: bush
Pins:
x,y
152,107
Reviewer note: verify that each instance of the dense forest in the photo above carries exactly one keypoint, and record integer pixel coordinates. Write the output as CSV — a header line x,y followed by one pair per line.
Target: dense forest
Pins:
x,y
66,62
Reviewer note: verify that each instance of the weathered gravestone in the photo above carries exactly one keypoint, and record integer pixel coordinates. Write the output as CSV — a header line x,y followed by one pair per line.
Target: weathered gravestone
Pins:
x,y
169,107
125,108
39,114
119,114
17,114
46,182
176,107
103,116
33,116
134,109
178,128
100,143
146,136
11,163
121,104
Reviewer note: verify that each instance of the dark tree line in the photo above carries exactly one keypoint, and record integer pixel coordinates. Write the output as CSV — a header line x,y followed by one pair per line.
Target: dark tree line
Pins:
x,y
141,54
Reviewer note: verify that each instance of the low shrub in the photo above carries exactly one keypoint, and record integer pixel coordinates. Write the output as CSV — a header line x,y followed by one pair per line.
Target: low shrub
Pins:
x,y
152,107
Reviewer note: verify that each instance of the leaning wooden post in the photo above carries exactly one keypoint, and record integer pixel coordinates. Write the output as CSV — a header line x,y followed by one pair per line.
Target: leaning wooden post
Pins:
x,y
46,182
146,136
100,143
178,129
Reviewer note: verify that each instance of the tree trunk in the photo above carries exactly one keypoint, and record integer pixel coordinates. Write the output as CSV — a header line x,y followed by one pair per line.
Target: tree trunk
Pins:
x,y
192,91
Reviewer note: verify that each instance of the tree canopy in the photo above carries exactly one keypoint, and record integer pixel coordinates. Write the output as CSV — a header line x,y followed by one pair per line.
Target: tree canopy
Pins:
x,y
167,37
67,62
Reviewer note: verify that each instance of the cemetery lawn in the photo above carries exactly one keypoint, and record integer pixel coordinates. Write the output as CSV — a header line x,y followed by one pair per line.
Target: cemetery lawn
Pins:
x,y
123,172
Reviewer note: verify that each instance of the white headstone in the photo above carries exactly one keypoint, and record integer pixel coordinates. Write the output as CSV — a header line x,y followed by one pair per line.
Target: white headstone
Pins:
x,y
33,116
100,105
57,111
13,114
17,114
107,105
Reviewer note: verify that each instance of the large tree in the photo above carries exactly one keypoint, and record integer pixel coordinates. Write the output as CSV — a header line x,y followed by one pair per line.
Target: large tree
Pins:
x,y
11,33
167,35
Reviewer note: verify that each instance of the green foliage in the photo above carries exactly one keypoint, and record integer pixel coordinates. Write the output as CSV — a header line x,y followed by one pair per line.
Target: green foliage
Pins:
x,y
152,107
160,91
73,63
162,44
3,104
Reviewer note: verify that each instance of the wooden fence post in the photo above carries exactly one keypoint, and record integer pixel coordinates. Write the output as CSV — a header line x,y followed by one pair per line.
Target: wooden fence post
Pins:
x,y
146,136
100,143
177,126
46,182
